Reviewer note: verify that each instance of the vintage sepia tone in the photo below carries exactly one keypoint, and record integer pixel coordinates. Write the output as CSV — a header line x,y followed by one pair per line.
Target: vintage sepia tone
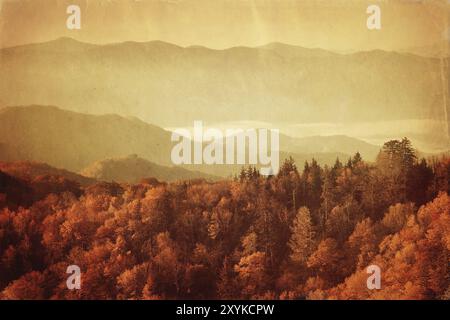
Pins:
x,y
92,92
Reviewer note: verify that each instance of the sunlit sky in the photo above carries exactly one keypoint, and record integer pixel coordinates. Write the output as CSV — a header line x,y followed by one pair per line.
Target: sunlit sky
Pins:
x,y
338,25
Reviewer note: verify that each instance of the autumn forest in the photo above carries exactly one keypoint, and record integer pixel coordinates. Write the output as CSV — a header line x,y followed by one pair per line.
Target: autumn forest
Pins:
x,y
309,232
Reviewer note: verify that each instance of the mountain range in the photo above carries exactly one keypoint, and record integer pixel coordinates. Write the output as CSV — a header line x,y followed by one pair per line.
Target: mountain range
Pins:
x,y
96,145
169,85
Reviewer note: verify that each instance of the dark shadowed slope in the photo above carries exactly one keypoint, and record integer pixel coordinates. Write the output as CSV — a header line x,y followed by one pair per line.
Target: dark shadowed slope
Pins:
x,y
29,170
72,141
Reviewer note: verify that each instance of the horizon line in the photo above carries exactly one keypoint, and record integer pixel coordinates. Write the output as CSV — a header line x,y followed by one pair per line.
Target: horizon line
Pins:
x,y
193,46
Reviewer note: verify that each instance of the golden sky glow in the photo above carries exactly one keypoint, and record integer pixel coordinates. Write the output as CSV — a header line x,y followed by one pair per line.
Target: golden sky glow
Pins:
x,y
334,25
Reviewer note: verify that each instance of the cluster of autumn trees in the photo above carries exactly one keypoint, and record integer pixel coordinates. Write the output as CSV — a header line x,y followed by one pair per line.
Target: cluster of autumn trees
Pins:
x,y
302,234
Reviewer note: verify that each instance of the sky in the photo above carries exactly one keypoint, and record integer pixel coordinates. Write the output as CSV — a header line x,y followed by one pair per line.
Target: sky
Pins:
x,y
338,25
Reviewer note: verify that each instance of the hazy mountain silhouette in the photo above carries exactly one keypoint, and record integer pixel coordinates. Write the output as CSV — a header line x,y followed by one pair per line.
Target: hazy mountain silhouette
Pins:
x,y
437,50
133,169
168,85
329,144
74,141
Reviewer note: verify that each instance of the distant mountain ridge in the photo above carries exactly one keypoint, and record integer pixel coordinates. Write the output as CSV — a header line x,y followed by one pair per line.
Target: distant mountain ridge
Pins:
x,y
133,169
70,140
169,85
29,170
330,144
74,141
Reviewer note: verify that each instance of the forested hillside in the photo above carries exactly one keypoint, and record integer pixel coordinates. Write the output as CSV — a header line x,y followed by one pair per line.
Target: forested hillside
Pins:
x,y
308,233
